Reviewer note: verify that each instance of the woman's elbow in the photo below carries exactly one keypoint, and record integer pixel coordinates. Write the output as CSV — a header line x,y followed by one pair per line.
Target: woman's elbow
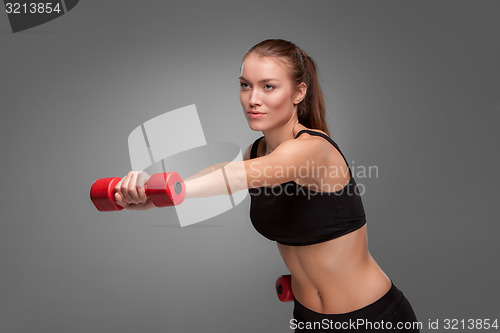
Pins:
x,y
235,176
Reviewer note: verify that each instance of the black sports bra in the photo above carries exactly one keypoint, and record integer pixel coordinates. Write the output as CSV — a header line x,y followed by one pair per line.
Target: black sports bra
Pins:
x,y
292,214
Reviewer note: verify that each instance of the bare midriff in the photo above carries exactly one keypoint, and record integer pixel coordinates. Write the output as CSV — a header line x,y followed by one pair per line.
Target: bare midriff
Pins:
x,y
337,276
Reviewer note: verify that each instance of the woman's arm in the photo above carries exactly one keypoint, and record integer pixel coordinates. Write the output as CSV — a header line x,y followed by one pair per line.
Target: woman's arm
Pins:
x,y
292,159
205,171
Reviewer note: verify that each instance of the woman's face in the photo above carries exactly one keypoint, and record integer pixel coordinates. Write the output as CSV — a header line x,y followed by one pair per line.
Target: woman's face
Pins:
x,y
266,92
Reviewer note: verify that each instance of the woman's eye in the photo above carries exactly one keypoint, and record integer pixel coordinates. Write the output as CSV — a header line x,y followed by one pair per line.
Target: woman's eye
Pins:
x,y
243,85
269,87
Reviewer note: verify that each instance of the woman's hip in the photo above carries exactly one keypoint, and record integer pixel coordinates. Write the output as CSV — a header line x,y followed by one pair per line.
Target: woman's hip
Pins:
x,y
390,313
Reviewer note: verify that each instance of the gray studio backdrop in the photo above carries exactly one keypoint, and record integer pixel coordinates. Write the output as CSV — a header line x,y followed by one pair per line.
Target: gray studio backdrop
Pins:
x,y
411,87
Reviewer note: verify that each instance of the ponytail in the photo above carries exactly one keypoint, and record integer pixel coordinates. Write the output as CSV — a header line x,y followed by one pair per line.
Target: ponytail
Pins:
x,y
311,110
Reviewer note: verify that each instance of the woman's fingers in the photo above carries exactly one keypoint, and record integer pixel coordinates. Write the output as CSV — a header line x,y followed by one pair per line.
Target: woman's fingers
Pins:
x,y
119,200
130,192
148,204
136,186
142,179
142,206
124,188
131,187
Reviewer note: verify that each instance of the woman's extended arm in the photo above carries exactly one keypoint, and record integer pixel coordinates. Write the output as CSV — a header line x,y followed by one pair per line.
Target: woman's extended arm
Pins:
x,y
292,159
205,171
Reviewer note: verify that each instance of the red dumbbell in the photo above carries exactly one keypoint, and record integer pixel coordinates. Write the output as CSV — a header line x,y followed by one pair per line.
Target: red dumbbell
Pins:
x,y
163,189
284,288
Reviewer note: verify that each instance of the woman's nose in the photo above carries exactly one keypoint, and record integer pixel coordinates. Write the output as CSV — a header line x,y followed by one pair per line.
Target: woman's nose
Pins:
x,y
254,98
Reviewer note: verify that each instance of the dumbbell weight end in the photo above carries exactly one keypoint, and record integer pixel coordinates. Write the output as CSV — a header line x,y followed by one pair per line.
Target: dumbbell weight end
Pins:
x,y
102,194
165,189
284,288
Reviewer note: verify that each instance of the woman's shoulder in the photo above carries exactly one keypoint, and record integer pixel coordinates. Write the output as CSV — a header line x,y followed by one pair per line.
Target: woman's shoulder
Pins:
x,y
305,141
329,147
313,137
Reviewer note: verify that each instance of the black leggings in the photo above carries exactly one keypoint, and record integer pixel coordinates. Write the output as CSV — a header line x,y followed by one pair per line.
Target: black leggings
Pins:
x,y
390,313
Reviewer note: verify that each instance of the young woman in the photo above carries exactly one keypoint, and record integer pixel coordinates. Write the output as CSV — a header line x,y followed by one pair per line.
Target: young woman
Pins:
x,y
303,196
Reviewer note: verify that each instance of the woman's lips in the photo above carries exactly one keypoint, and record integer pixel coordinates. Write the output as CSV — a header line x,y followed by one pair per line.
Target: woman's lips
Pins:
x,y
255,114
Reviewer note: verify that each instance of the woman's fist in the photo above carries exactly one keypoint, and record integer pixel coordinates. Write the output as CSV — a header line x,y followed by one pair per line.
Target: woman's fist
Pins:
x,y
130,193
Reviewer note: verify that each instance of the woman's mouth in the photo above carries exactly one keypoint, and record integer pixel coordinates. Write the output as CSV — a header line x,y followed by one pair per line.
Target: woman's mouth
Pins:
x,y
255,114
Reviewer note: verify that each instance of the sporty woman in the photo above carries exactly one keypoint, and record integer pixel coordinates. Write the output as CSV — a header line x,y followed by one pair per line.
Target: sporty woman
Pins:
x,y
303,196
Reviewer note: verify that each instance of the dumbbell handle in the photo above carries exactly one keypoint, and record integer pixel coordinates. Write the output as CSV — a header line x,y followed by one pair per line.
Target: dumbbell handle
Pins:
x,y
163,189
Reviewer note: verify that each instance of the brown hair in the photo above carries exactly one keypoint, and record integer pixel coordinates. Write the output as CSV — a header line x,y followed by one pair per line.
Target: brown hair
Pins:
x,y
311,110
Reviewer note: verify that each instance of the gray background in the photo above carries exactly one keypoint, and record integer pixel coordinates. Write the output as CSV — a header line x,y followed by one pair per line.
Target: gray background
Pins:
x,y
411,87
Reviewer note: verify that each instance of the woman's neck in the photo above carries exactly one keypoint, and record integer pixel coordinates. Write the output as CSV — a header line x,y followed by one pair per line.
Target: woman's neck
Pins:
x,y
275,136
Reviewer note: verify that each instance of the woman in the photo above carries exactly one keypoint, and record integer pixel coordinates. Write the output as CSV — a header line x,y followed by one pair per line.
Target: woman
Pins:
x,y
303,196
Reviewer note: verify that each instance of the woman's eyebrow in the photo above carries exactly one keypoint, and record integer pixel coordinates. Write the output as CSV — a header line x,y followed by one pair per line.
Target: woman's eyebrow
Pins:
x,y
261,81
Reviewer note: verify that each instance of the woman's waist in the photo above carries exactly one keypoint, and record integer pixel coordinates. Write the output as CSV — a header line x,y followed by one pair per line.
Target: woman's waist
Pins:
x,y
340,291
342,255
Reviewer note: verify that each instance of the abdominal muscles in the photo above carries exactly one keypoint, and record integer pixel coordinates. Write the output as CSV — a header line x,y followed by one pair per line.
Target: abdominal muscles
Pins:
x,y
336,276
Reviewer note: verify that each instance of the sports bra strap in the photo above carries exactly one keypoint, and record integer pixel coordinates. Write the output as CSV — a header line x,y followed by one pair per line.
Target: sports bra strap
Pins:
x,y
329,140
253,152
255,146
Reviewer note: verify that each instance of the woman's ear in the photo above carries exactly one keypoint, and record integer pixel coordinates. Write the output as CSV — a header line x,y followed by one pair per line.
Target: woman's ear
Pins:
x,y
300,93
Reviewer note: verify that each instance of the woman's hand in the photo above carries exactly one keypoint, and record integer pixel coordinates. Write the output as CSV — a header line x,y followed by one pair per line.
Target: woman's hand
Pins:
x,y
130,193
